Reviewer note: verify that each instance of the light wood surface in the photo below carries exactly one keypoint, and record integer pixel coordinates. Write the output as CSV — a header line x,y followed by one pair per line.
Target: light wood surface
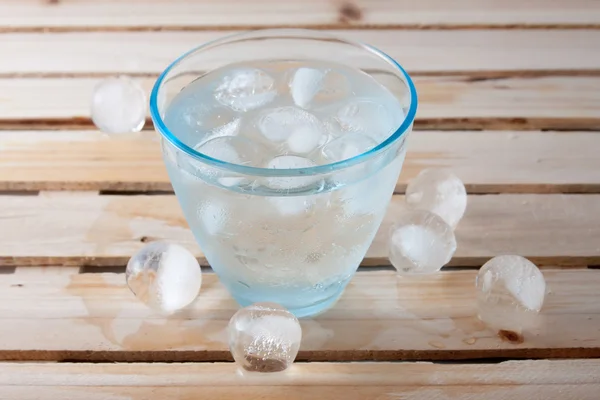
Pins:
x,y
107,230
200,14
535,380
509,97
444,102
487,162
94,316
420,51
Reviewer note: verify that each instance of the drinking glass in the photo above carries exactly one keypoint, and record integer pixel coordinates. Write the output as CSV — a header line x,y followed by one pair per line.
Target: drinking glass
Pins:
x,y
302,259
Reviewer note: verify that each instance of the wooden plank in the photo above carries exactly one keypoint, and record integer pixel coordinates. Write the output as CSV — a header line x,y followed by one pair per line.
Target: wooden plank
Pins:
x,y
455,102
94,317
421,52
540,379
202,14
487,162
107,230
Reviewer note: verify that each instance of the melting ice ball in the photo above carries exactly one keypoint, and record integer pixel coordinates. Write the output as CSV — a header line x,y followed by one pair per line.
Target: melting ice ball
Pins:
x,y
510,294
264,337
420,242
165,276
119,106
438,191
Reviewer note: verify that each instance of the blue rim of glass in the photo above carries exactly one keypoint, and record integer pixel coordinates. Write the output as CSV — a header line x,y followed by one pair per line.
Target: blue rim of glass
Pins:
x,y
257,171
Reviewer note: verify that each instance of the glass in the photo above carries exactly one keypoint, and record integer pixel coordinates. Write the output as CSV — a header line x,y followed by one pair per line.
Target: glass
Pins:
x,y
302,260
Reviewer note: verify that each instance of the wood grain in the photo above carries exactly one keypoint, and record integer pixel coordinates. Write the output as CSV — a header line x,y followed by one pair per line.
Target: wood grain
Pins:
x,y
450,102
107,230
94,317
421,52
203,14
536,380
487,162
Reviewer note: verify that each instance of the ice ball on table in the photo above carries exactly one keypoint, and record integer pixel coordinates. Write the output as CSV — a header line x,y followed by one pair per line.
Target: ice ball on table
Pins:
x,y
119,106
246,89
438,191
300,130
264,337
165,276
510,293
420,242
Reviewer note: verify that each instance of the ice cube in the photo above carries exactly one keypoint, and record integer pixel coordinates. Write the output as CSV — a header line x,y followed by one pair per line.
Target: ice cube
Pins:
x,y
368,117
165,276
292,205
196,118
118,106
438,191
348,146
213,217
264,337
305,139
279,124
246,89
231,149
420,243
510,293
291,182
305,85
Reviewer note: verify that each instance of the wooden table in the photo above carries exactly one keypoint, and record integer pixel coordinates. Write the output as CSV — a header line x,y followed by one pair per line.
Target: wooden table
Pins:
x,y
510,101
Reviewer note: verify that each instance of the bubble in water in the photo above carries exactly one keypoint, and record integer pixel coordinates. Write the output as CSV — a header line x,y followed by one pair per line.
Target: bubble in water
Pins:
x,y
246,89
420,243
118,106
438,191
165,276
291,182
264,337
510,293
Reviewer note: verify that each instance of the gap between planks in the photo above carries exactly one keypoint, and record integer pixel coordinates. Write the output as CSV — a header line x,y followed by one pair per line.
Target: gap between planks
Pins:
x,y
95,318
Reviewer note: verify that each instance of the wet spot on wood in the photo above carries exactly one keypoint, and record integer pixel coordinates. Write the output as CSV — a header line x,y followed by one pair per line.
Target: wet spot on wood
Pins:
x,y
510,336
437,345
349,12
470,340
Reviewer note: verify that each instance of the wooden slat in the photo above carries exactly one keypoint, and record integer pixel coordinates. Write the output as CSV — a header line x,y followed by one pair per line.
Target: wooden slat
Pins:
x,y
186,14
486,161
107,230
95,317
542,379
455,102
421,52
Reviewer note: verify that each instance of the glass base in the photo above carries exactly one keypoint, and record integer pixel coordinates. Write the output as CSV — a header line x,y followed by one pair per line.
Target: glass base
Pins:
x,y
311,310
